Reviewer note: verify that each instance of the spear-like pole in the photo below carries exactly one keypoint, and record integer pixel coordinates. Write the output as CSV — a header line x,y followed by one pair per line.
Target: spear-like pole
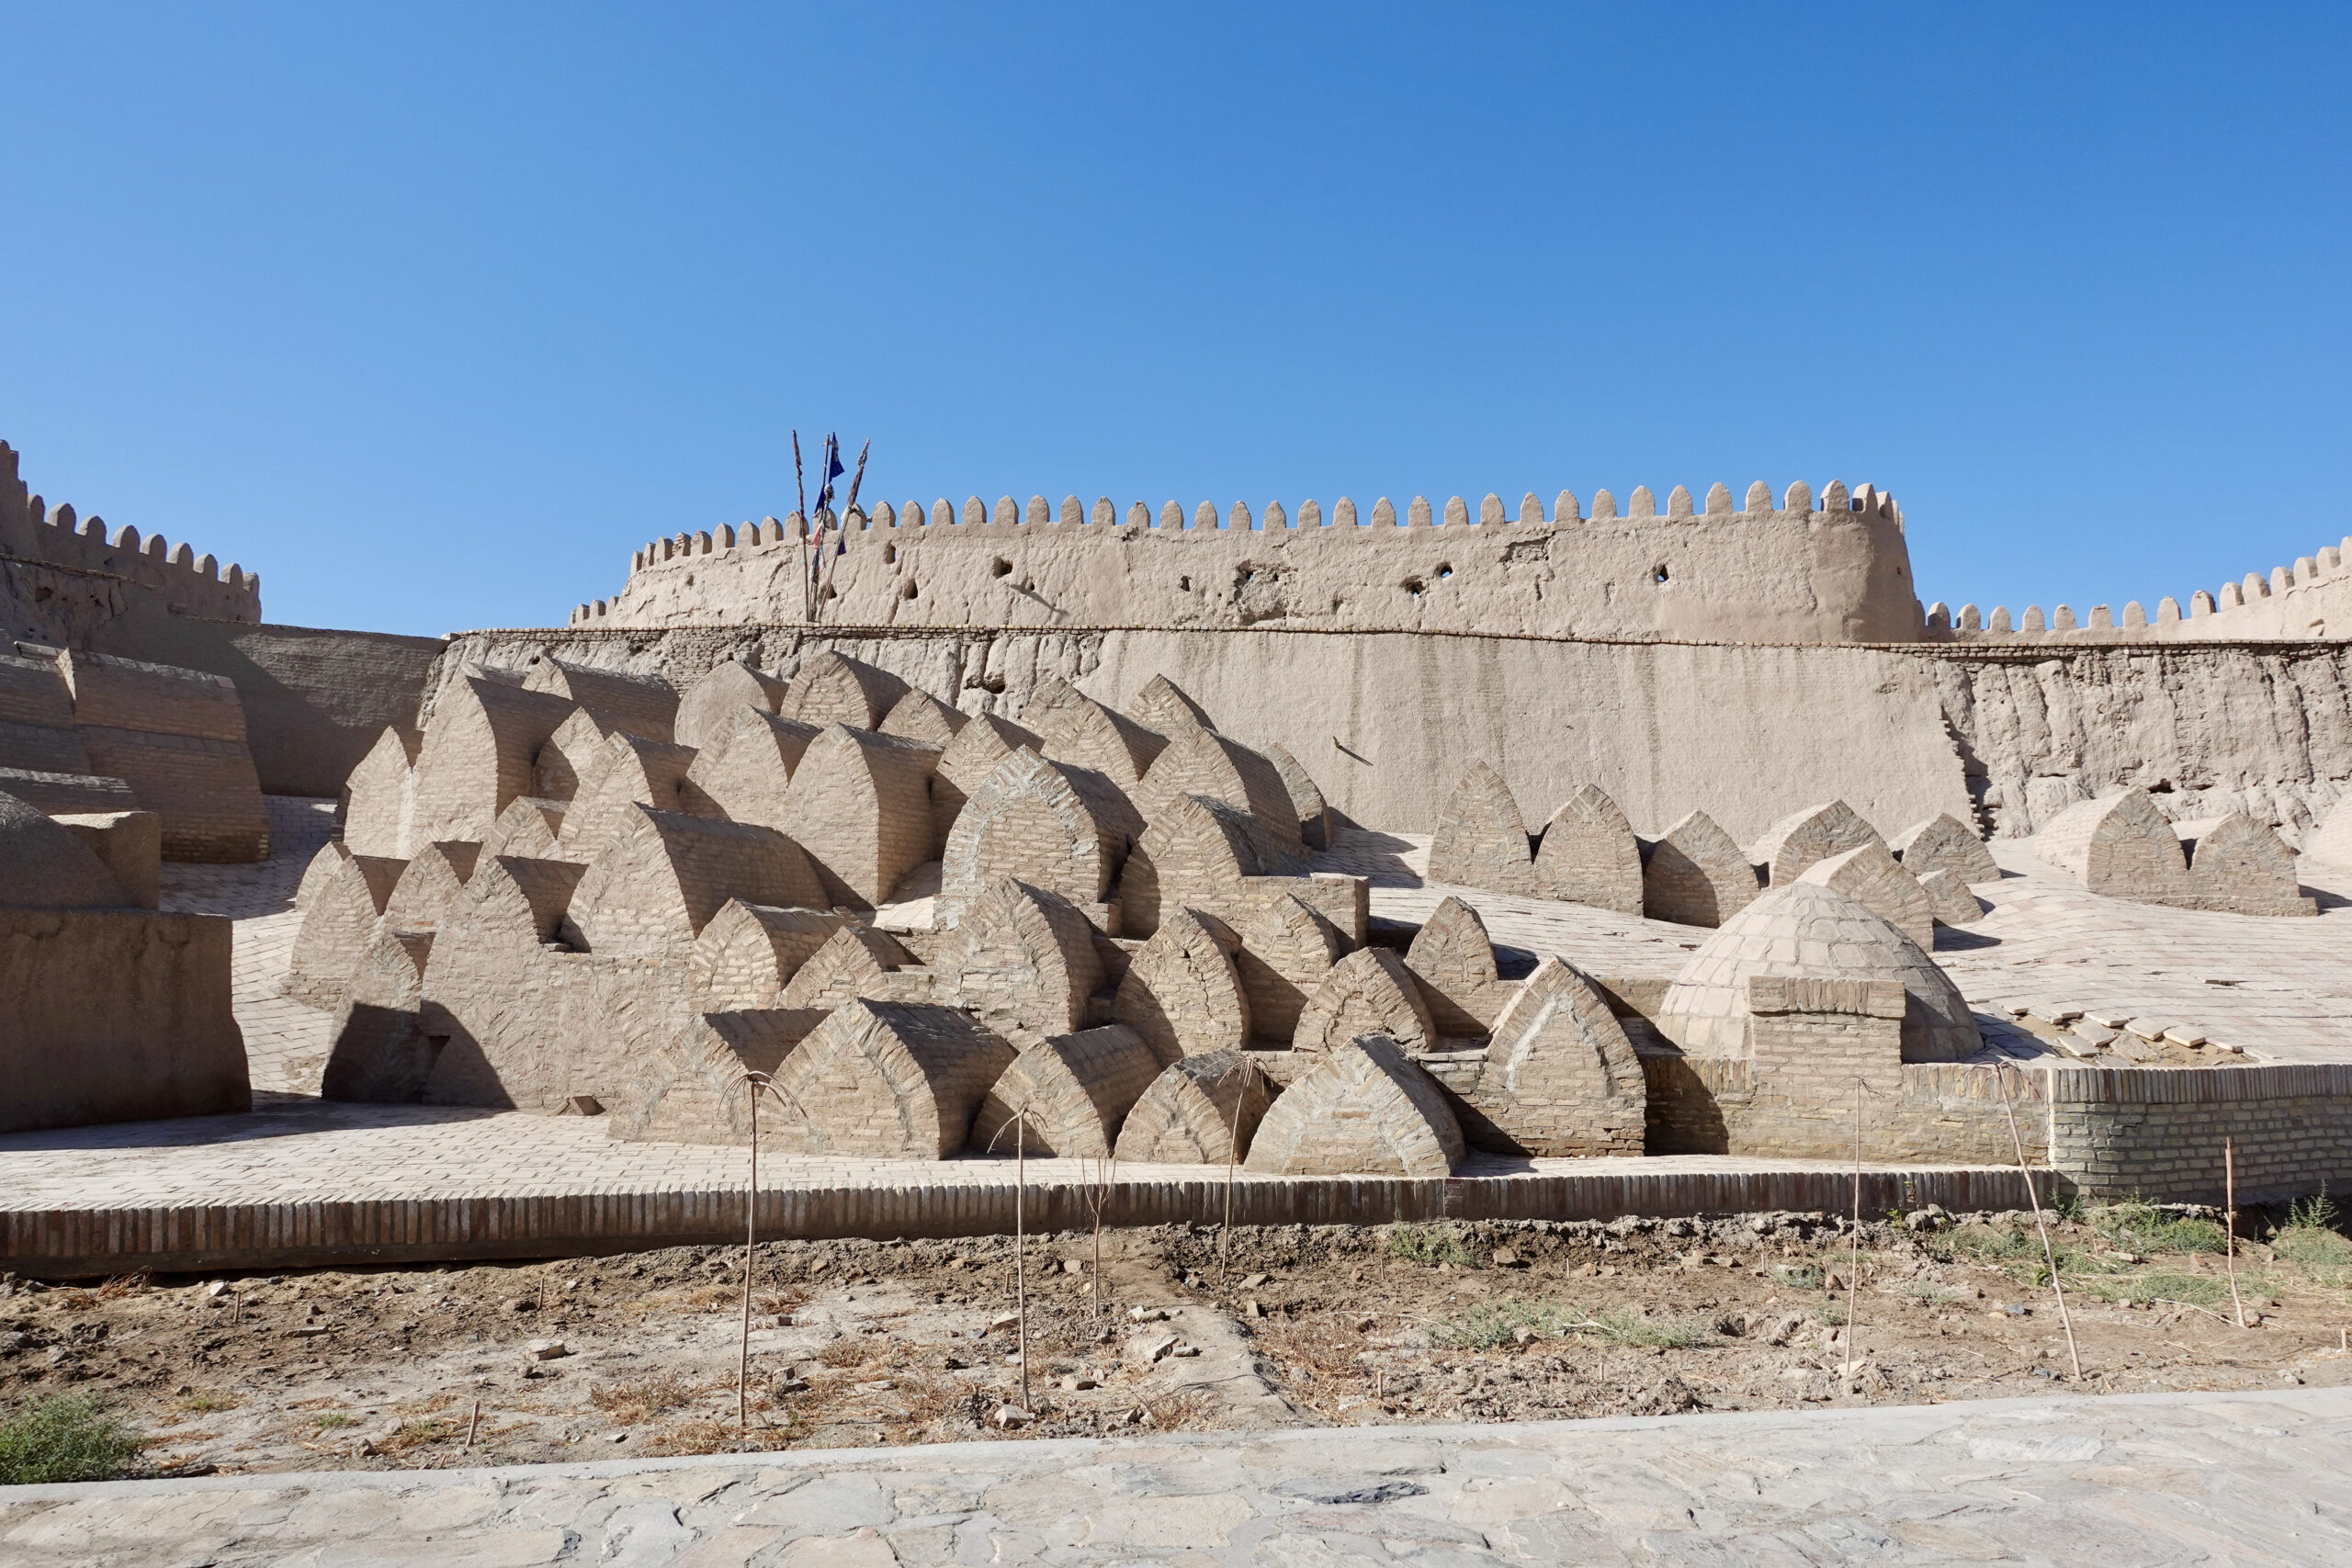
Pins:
x,y
856,479
825,567
800,489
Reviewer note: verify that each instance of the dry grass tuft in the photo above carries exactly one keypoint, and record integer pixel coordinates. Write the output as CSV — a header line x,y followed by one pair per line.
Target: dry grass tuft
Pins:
x,y
844,1353
409,1436
632,1404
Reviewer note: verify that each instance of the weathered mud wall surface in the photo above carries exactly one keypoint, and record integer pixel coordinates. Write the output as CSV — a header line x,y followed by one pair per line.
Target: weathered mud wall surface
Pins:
x,y
1770,573
1387,722
2261,728
314,700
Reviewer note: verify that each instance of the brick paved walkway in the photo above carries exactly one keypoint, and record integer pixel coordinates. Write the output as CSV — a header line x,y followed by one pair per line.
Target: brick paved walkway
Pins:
x,y
2287,997
295,1149
286,1043
2153,1481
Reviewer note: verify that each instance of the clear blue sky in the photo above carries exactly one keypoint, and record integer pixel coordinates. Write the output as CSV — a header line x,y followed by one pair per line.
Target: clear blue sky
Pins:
x,y
430,313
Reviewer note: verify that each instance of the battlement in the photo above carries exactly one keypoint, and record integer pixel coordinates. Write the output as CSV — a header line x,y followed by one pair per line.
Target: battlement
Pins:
x,y
1795,569
2309,601
124,564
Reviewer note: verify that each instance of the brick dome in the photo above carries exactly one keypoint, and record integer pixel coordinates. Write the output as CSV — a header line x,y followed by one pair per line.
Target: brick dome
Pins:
x,y
1807,930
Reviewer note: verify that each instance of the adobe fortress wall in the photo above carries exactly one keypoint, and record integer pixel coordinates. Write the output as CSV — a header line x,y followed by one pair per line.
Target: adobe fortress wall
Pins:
x,y
1789,571
1384,722
62,575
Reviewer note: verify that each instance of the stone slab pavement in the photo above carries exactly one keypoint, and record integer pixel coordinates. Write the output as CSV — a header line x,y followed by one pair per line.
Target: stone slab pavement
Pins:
x,y
2149,1480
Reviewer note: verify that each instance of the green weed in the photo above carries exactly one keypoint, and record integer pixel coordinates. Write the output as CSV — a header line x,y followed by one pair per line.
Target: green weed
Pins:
x,y
1486,1327
2312,1243
66,1437
1622,1327
1431,1245
2139,1227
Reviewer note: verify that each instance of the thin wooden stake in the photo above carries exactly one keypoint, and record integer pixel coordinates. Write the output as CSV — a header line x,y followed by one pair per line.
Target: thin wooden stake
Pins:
x,y
1020,1252
2230,1217
1854,1252
1232,1155
2049,1253
473,1425
750,1240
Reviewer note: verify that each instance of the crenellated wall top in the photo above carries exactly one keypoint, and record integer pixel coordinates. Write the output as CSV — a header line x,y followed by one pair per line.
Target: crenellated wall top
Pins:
x,y
1793,568
58,537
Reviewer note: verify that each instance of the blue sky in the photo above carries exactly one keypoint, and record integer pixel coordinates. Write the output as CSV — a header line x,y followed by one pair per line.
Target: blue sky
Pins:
x,y
431,313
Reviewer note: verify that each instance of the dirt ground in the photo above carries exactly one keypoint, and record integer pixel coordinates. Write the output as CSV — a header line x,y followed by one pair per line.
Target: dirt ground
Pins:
x,y
857,1343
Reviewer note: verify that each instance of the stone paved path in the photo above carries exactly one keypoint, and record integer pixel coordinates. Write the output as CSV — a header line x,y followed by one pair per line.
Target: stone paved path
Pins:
x,y
2148,1481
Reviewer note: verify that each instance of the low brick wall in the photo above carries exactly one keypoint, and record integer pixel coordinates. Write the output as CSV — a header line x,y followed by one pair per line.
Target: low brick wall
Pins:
x,y
2110,1133
2159,1132
77,1243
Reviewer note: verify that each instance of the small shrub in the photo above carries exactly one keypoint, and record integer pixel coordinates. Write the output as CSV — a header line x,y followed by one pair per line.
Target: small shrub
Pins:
x,y
2311,1241
1431,1245
1488,1327
66,1437
333,1419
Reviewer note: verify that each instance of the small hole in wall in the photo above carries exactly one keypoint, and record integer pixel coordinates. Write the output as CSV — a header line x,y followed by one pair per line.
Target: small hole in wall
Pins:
x,y
1444,570
1658,576
689,579
1415,586
1183,585
1002,567
908,592
889,554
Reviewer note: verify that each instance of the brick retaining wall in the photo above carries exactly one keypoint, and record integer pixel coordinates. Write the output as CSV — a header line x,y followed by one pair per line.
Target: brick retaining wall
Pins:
x,y
2152,1132
69,1242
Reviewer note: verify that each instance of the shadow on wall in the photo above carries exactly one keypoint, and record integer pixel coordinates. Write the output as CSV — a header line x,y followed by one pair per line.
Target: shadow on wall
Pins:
x,y
315,700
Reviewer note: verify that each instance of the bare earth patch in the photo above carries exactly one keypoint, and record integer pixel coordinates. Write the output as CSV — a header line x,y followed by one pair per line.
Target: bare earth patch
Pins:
x,y
858,1343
